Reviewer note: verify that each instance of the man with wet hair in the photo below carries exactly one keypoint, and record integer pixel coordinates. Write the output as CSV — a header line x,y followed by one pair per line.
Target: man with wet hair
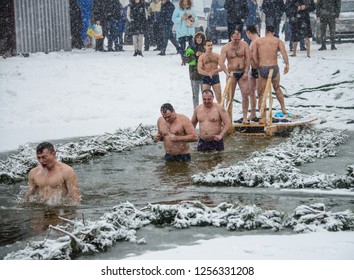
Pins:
x,y
265,57
214,123
175,130
52,182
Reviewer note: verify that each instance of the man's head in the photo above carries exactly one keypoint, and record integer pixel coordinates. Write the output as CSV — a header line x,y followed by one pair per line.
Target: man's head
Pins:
x,y
236,36
208,98
168,112
270,29
199,38
251,31
46,154
208,45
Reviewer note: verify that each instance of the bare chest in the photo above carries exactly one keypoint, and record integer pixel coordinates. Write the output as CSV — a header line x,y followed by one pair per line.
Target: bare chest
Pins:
x,y
46,179
208,116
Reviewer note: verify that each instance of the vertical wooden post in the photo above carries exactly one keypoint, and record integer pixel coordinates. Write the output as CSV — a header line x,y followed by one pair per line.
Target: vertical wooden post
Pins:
x,y
263,109
227,96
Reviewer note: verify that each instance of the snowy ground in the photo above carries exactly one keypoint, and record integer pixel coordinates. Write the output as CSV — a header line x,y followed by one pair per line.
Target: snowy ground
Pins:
x,y
81,93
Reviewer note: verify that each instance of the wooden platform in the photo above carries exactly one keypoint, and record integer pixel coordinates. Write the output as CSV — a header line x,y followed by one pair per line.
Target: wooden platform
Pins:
x,y
265,129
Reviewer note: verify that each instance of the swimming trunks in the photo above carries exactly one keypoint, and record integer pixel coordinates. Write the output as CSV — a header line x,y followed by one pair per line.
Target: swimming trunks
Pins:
x,y
264,70
210,145
183,157
238,75
211,80
254,73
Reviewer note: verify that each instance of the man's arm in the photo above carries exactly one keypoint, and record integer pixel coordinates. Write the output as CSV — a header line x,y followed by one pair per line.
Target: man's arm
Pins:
x,y
194,118
255,55
225,118
247,60
158,137
284,55
222,64
32,187
72,186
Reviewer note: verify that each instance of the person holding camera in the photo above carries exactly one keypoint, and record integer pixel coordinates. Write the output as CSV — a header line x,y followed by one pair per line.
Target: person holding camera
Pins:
x,y
185,20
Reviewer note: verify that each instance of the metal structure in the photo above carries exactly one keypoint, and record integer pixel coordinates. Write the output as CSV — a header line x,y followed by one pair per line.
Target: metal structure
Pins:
x,y
42,25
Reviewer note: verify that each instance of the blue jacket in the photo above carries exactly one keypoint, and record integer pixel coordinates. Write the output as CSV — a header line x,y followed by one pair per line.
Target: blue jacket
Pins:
x,y
181,27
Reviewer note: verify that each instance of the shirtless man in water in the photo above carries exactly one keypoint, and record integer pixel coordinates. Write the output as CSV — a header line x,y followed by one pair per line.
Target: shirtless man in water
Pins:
x,y
175,130
53,182
214,123
265,57
237,54
208,67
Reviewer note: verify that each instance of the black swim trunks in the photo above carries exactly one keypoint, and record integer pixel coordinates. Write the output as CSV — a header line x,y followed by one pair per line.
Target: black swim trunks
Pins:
x,y
211,80
264,70
210,145
254,73
183,157
238,75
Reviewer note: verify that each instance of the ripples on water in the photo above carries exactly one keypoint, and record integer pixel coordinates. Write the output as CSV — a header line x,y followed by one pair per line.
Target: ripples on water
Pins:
x,y
140,176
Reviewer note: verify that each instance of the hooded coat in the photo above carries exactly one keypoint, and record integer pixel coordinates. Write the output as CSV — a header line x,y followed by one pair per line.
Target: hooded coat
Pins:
x,y
192,59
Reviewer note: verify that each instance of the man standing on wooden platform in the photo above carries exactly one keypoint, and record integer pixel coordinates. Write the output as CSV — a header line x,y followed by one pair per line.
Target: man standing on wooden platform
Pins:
x,y
237,55
265,57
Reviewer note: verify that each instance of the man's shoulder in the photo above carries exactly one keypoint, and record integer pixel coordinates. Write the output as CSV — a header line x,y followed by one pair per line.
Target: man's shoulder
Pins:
x,y
63,166
226,46
35,169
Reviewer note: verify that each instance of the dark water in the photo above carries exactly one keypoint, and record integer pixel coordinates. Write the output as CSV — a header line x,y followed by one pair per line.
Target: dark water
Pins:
x,y
140,176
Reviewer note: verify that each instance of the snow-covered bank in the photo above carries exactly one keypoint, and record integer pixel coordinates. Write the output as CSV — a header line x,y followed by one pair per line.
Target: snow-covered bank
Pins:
x,y
84,93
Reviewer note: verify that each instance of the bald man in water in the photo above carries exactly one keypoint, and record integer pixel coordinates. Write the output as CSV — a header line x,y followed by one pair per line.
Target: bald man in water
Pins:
x,y
52,182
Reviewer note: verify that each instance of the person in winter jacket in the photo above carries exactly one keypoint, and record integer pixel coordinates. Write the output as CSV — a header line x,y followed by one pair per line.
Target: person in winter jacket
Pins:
x,y
253,18
298,13
167,9
108,13
192,55
137,17
121,27
155,32
237,11
185,20
273,10
113,18
97,28
327,12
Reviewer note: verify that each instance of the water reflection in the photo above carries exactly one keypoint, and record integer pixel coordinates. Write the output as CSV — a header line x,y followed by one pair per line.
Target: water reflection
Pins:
x,y
33,219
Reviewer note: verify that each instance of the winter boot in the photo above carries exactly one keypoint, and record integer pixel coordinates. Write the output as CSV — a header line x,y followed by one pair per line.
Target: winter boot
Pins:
x,y
322,48
135,53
